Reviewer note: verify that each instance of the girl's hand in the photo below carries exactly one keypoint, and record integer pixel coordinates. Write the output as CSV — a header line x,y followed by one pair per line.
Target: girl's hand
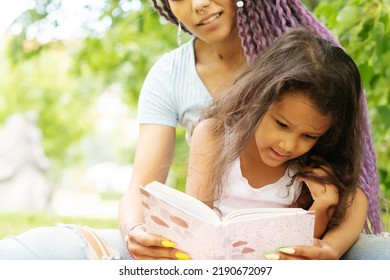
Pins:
x,y
325,199
325,196
319,251
144,246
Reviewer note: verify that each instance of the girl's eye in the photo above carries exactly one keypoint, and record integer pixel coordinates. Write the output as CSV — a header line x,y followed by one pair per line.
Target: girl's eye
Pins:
x,y
310,137
282,125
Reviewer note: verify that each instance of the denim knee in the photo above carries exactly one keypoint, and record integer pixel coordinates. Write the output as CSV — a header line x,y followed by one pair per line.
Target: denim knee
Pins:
x,y
370,247
63,242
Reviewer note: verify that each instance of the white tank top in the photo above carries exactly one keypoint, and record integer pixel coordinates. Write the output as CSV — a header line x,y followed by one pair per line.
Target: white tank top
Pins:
x,y
238,194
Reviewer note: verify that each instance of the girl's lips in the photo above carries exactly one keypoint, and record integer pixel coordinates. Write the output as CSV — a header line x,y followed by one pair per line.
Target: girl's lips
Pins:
x,y
209,18
278,156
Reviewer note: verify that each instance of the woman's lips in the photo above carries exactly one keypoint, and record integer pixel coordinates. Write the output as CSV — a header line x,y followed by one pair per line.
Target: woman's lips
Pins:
x,y
209,19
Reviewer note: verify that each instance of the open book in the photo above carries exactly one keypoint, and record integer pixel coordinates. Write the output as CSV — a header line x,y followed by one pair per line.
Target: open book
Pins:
x,y
243,234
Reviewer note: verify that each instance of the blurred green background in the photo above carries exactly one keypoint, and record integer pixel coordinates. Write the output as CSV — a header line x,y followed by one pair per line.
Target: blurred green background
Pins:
x,y
62,75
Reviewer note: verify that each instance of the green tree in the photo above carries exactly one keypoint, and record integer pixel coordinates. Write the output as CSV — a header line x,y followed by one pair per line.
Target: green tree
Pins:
x,y
61,78
41,84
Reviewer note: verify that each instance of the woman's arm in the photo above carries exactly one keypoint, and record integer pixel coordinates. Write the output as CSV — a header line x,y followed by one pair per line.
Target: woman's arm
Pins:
x,y
152,162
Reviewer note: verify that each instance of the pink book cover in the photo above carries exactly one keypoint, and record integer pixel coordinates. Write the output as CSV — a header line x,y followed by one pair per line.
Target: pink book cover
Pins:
x,y
198,231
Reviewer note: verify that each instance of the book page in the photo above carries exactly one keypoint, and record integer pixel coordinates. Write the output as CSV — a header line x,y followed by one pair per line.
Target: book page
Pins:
x,y
256,213
193,235
250,239
183,201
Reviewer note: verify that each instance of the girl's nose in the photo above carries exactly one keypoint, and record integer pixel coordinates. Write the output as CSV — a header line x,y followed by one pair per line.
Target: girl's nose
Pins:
x,y
288,144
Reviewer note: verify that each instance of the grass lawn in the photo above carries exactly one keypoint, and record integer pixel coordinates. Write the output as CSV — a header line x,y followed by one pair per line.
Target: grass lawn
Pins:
x,y
15,223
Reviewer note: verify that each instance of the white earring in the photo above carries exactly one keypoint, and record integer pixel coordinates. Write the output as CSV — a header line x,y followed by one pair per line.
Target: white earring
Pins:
x,y
240,3
179,34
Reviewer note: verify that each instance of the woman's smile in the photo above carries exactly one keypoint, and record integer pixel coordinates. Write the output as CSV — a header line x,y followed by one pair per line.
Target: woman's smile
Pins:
x,y
209,19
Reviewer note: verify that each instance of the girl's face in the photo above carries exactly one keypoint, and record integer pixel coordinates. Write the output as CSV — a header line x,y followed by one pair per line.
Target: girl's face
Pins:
x,y
212,21
289,129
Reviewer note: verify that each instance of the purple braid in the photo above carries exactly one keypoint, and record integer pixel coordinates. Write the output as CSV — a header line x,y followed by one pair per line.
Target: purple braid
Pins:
x,y
276,17
248,43
259,24
266,13
369,180
287,19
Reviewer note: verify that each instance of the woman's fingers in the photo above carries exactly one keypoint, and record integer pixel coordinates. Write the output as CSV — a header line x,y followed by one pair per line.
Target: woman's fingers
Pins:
x,y
145,246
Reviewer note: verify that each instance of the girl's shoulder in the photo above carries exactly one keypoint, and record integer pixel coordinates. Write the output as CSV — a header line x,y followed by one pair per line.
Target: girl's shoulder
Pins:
x,y
205,126
203,132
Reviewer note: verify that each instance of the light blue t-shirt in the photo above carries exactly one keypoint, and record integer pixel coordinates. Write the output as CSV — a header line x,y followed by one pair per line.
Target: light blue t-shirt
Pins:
x,y
173,93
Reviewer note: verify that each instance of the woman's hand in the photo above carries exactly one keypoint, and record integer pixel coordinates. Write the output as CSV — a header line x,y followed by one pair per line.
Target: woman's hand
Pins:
x,y
319,251
144,246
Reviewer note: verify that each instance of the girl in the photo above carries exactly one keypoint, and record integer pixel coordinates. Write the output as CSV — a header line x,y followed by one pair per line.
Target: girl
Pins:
x,y
291,121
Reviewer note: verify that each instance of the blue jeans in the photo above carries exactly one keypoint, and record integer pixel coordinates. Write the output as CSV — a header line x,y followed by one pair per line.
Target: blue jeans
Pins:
x,y
65,242
370,247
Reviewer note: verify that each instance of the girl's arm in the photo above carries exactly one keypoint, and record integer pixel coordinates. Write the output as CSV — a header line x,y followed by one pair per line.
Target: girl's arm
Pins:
x,y
347,233
199,164
325,198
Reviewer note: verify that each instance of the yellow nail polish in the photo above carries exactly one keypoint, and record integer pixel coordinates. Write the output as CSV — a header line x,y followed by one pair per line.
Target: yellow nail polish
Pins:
x,y
271,256
287,250
168,244
182,256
